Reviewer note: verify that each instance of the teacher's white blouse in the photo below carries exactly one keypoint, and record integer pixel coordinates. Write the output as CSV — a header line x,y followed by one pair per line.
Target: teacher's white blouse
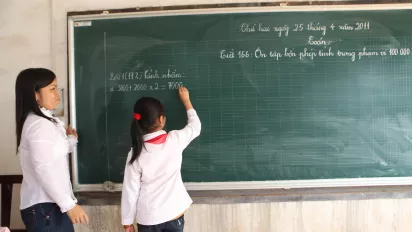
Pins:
x,y
43,152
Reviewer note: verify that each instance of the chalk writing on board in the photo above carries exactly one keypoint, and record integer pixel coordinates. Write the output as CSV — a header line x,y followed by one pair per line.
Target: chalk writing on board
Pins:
x,y
358,26
145,75
259,27
319,44
317,27
285,30
311,53
156,86
319,41
282,30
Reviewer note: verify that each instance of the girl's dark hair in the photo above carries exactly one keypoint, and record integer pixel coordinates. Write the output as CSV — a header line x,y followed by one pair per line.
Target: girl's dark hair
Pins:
x,y
30,81
150,110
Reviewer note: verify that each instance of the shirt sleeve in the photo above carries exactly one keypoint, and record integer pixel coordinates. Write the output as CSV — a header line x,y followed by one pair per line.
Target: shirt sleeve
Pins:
x,y
43,153
131,192
72,142
190,131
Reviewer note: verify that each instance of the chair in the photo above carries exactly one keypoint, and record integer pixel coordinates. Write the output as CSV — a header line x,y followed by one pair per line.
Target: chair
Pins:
x,y
7,182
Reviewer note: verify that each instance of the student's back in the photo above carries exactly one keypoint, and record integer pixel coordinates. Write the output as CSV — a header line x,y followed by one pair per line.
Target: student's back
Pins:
x,y
153,190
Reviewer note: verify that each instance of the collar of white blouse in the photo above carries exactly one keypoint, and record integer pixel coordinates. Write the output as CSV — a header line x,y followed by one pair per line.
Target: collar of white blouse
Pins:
x,y
49,113
46,112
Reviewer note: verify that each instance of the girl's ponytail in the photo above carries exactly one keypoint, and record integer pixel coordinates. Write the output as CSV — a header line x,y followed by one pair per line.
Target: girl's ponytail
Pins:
x,y
136,134
147,112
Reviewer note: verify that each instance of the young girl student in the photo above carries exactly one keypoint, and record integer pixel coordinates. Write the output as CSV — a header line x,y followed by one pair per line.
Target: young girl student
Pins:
x,y
153,191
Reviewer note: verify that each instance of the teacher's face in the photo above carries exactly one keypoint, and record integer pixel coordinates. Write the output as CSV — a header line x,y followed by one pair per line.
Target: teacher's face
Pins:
x,y
48,97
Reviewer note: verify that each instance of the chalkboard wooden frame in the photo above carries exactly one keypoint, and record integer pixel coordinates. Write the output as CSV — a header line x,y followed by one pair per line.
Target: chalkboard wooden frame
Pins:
x,y
221,9
268,195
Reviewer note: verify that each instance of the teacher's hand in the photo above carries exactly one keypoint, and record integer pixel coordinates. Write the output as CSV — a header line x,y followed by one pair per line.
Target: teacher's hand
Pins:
x,y
77,215
71,131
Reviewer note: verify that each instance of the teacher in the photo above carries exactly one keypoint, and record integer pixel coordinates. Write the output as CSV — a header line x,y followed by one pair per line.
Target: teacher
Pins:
x,y
47,200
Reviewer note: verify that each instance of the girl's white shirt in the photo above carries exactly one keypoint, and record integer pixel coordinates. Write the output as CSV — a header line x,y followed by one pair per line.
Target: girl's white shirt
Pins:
x,y
153,190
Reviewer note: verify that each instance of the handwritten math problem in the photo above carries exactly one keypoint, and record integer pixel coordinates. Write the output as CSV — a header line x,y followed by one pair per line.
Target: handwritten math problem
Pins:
x,y
148,75
156,86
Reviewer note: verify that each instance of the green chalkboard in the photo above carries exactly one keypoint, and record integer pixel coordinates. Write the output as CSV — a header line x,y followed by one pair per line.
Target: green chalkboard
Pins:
x,y
281,95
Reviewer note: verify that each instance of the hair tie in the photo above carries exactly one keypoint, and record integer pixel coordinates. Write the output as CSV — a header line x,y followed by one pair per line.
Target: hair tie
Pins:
x,y
137,116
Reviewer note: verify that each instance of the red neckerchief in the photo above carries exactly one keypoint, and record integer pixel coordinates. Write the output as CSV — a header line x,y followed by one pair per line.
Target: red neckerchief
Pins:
x,y
158,139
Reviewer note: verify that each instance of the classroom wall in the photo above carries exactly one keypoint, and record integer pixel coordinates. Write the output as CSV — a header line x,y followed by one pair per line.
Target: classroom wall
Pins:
x,y
25,41
25,35
33,33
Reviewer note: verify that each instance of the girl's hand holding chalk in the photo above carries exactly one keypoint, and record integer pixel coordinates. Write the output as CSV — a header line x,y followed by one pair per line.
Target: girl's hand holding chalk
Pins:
x,y
185,98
